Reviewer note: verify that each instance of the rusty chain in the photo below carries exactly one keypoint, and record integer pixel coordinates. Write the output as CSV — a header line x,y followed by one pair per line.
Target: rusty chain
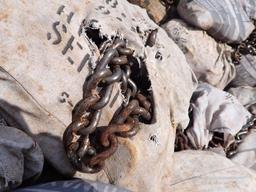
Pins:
x,y
87,145
246,47
218,140
168,3
239,137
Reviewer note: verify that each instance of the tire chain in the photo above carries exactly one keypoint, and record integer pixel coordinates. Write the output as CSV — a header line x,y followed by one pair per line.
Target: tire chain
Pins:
x,y
88,146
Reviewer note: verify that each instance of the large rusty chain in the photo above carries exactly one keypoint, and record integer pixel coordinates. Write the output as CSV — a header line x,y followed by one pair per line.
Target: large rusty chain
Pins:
x,y
87,145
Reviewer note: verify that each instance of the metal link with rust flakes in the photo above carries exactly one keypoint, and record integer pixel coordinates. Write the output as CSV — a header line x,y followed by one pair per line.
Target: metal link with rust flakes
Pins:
x,y
87,145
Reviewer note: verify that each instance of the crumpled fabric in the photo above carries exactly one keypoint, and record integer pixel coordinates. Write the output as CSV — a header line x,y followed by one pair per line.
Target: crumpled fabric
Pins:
x,y
246,151
20,157
75,185
214,110
203,171
245,94
252,109
209,60
246,72
228,20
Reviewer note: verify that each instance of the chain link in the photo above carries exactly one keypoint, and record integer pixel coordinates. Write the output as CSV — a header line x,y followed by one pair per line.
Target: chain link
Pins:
x,y
230,144
239,137
167,3
246,47
87,145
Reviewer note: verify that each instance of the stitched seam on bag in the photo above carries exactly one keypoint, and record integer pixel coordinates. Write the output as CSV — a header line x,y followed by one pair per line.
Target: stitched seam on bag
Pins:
x,y
33,98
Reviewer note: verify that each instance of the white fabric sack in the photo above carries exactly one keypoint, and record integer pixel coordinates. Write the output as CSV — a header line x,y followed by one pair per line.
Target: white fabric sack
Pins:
x,y
246,151
214,110
227,20
209,60
246,95
20,158
246,72
37,72
201,171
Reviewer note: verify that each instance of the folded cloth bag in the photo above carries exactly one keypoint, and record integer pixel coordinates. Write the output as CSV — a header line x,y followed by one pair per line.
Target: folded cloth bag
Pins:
x,y
228,20
214,110
210,61
246,151
246,72
245,94
20,157
196,171
201,171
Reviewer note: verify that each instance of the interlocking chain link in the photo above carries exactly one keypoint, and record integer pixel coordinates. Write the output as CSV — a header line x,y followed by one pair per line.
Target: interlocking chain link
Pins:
x,y
230,145
87,145
168,3
246,47
239,137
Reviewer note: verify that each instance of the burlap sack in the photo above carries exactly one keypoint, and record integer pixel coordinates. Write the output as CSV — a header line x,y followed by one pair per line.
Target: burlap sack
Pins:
x,y
209,60
245,94
246,72
210,172
214,110
39,69
246,152
227,20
